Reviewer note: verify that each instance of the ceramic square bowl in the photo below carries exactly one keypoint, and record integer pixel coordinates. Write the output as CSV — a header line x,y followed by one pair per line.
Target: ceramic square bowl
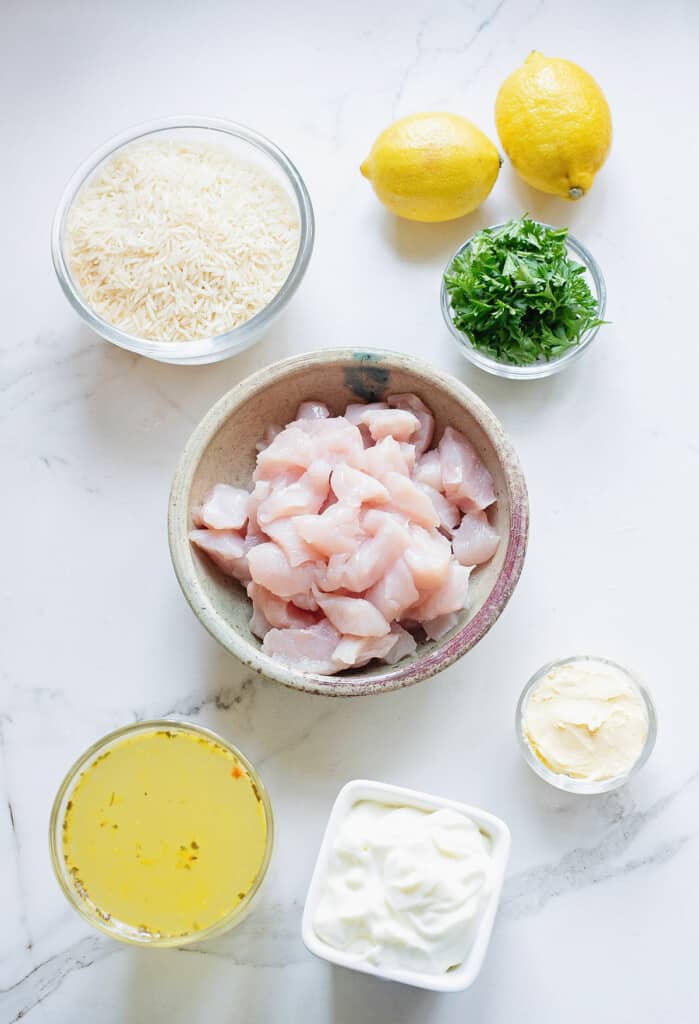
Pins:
x,y
495,830
222,450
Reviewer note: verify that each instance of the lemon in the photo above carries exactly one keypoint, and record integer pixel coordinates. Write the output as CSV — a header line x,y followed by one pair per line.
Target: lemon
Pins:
x,y
432,167
554,124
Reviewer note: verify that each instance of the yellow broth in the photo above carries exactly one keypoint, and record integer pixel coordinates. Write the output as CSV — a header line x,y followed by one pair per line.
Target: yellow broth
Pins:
x,y
164,832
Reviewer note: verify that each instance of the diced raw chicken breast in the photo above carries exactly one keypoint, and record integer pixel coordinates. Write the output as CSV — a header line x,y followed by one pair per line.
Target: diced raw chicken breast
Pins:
x,y
405,645
335,532
270,567
355,651
395,592
270,433
284,532
342,547
365,567
309,650
428,557
375,519
306,601
292,449
417,407
259,626
451,596
476,540
285,479
448,513
279,613
428,470
330,500
409,457
355,411
303,497
223,508
356,488
228,549
466,480
312,411
407,498
334,440
395,423
436,628
260,491
352,615
384,458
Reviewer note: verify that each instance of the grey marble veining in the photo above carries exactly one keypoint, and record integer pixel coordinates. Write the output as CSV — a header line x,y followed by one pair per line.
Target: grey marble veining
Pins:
x,y
599,910
612,855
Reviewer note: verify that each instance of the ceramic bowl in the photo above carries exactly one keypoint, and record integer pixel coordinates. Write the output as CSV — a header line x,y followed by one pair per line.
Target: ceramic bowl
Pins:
x,y
222,449
495,831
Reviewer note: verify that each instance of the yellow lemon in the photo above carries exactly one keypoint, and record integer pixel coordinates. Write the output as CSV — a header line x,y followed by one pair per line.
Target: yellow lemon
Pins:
x,y
432,167
554,124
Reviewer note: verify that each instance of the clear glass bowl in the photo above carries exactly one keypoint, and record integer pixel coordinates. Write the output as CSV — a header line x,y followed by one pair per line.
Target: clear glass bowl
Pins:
x,y
567,782
243,142
534,371
118,929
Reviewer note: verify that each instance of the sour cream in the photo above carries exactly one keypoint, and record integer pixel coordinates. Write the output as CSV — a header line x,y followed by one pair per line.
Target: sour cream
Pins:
x,y
405,887
586,719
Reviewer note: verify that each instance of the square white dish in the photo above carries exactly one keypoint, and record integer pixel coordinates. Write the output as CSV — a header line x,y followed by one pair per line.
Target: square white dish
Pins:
x,y
497,832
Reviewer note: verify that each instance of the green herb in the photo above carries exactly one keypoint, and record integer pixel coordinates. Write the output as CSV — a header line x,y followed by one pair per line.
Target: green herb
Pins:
x,y
518,295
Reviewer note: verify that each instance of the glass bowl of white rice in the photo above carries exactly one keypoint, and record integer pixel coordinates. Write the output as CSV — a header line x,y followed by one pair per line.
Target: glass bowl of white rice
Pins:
x,y
183,239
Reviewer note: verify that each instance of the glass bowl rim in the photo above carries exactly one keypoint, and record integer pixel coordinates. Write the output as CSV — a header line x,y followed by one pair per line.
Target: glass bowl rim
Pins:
x,y
229,920
533,371
568,783
228,342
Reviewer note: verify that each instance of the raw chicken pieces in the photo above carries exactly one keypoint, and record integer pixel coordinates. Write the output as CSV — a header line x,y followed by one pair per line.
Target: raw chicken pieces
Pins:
x,y
355,534
416,406
269,566
311,649
475,541
395,423
353,487
353,615
225,508
466,480
227,549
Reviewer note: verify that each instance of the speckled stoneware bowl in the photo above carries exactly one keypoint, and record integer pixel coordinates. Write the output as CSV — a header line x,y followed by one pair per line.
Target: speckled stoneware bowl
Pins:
x,y
222,449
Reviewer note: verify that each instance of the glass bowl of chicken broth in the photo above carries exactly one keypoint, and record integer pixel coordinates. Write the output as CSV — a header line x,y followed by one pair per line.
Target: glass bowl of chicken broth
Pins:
x,y
161,834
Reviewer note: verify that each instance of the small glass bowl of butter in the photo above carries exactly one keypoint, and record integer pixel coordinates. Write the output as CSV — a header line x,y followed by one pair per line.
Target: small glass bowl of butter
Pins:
x,y
585,724
406,886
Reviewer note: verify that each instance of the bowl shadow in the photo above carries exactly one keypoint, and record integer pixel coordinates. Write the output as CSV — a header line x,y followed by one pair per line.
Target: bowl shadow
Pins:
x,y
540,206
415,242
359,997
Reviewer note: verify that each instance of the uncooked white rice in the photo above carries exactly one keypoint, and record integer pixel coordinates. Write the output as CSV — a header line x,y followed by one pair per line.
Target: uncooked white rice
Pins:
x,y
174,242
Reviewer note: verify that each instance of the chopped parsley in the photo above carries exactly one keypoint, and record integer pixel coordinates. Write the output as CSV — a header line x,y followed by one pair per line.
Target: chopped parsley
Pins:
x,y
518,295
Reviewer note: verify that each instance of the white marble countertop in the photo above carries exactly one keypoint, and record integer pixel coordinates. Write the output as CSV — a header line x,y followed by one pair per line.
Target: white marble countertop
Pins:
x,y
598,920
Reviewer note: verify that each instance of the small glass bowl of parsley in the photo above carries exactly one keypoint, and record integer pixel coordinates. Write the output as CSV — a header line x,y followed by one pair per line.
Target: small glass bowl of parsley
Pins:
x,y
523,299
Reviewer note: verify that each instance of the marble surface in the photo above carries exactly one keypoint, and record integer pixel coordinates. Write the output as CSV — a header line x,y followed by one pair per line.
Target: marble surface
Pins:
x,y
598,919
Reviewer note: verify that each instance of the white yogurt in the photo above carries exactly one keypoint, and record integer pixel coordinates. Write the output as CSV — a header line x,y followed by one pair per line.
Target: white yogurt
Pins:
x,y
405,887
